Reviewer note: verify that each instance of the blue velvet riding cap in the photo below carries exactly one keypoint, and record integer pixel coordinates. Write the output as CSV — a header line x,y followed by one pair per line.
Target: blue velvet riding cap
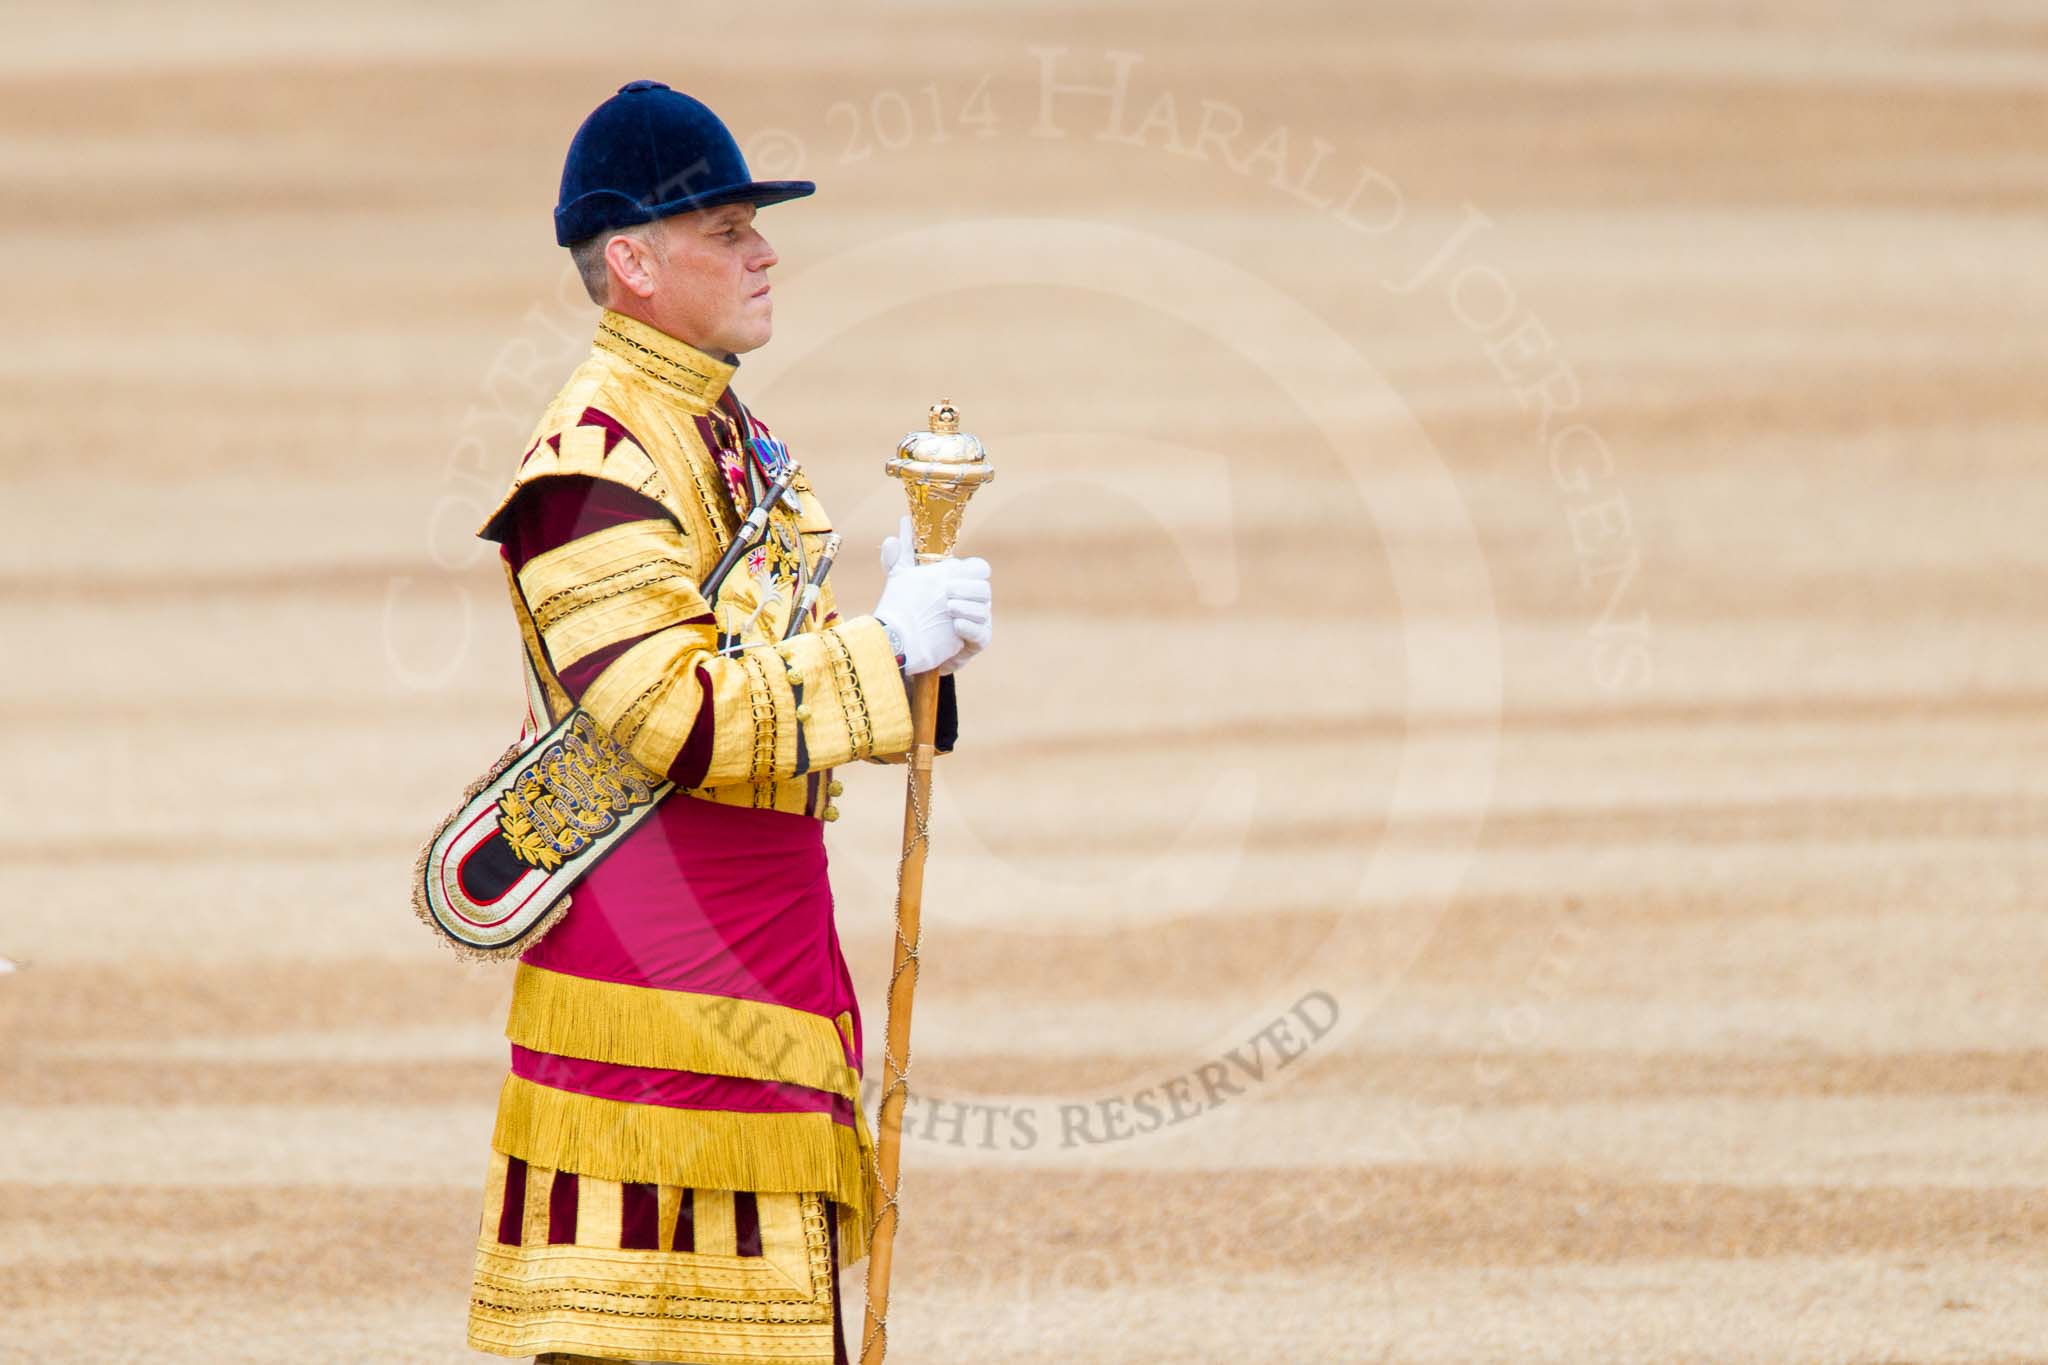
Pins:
x,y
648,152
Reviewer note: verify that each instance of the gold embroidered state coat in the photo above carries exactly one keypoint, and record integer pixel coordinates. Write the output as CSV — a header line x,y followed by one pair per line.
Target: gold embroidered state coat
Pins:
x,y
643,411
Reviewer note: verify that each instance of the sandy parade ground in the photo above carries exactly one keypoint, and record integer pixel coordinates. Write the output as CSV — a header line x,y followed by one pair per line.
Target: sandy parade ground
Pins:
x,y
1505,819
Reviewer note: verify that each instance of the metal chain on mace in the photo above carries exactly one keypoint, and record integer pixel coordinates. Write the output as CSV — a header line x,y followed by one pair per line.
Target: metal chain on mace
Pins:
x,y
940,468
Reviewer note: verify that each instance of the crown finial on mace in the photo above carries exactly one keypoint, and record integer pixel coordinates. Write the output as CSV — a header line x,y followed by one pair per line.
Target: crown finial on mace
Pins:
x,y
941,467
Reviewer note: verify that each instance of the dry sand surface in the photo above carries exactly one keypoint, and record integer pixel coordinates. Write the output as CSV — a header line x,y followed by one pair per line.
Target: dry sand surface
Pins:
x,y
1520,532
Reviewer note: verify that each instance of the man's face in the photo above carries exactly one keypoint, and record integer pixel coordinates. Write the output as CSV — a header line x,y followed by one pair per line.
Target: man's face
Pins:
x,y
706,281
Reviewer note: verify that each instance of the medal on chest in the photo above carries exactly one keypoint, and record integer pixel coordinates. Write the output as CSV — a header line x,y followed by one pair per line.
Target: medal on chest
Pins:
x,y
776,562
732,464
771,569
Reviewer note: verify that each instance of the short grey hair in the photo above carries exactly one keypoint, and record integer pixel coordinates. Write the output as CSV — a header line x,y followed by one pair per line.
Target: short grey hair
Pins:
x,y
589,256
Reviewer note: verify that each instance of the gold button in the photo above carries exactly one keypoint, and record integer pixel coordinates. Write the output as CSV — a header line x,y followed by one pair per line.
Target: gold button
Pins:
x,y
834,787
803,712
830,812
784,649
796,677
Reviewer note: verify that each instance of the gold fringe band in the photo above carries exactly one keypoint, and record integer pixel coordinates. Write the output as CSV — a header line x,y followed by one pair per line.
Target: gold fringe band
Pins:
x,y
700,1148
717,1035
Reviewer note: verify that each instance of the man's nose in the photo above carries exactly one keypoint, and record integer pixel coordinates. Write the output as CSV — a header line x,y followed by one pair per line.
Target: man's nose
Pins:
x,y
764,254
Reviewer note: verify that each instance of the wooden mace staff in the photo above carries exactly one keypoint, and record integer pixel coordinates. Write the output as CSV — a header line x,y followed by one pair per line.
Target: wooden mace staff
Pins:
x,y
940,468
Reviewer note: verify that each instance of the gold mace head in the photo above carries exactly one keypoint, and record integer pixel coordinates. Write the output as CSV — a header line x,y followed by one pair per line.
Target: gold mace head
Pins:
x,y
941,467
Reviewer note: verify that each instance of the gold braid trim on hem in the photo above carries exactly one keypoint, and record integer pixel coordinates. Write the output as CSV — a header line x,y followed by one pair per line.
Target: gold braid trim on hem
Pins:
x,y
775,1308
718,1035
699,1148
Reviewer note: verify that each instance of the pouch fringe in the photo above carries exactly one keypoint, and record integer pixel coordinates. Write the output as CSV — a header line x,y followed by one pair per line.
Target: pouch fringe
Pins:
x,y
467,951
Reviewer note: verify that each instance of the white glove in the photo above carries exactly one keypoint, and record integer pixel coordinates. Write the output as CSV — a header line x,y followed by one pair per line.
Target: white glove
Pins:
x,y
969,598
932,609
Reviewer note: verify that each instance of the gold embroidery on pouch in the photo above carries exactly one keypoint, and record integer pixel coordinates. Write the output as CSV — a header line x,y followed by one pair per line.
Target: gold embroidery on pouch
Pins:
x,y
573,792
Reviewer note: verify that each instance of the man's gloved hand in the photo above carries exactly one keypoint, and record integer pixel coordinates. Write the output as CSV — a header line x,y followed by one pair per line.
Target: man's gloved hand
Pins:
x,y
936,610
969,597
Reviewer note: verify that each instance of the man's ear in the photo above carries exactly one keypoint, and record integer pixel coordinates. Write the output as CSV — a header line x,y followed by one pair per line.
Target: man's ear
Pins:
x,y
628,257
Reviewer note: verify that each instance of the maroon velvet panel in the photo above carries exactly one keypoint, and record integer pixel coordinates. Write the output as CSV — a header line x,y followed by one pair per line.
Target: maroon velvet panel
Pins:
x,y
614,432
639,1217
694,760
513,1214
562,1209
549,513
577,677
746,1222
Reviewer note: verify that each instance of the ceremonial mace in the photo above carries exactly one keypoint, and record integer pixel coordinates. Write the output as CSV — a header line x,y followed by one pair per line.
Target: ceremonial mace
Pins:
x,y
940,469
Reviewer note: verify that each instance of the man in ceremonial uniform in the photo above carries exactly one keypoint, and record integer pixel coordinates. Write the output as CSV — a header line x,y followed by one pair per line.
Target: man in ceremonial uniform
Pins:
x,y
680,1163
